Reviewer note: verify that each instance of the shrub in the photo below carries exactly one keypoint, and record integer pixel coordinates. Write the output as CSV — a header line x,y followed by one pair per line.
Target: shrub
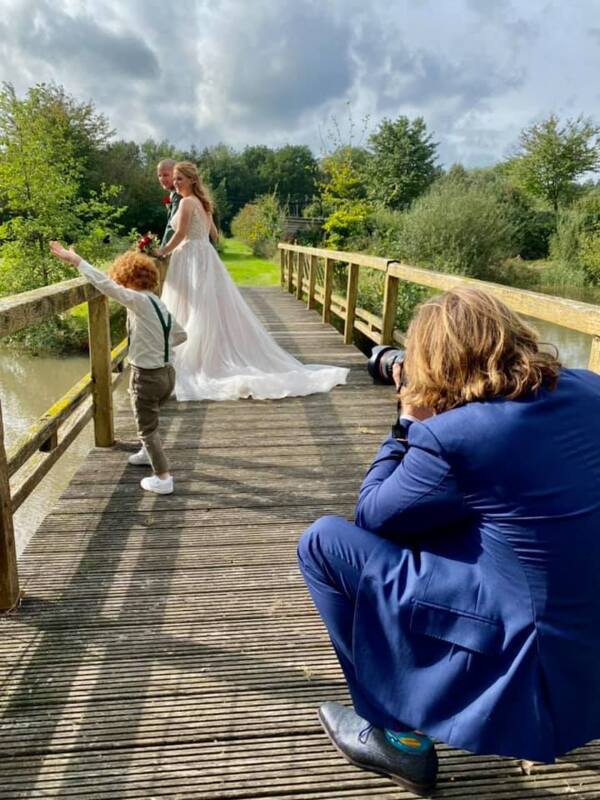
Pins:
x,y
310,237
385,228
575,247
564,244
260,225
347,222
589,257
460,228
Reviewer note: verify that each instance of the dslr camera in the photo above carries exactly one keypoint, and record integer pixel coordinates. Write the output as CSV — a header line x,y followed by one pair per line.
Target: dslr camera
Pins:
x,y
381,363
380,366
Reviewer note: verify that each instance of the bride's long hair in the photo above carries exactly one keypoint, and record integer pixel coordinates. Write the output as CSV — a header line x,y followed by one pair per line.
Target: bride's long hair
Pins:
x,y
188,170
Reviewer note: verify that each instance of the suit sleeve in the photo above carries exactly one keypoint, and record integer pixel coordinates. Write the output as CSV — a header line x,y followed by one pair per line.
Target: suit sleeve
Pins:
x,y
410,492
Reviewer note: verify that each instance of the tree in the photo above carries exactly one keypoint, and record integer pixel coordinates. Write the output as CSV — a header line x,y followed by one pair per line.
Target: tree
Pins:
x,y
41,168
222,169
402,163
343,193
291,171
132,167
553,156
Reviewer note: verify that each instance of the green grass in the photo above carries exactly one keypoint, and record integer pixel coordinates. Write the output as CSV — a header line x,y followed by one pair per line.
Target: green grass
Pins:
x,y
245,268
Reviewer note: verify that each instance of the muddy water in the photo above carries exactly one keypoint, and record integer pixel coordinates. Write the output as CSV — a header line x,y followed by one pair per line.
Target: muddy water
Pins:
x,y
28,387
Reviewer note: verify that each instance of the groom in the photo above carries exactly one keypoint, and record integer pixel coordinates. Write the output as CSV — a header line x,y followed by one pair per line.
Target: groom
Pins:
x,y
164,172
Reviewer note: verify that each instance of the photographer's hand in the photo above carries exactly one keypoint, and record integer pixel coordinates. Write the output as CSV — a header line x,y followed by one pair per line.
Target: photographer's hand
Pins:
x,y
397,374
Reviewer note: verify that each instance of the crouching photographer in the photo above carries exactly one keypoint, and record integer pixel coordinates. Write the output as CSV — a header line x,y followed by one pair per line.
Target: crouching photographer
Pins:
x,y
462,603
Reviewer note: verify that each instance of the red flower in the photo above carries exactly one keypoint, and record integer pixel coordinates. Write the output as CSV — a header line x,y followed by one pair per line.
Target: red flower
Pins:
x,y
147,243
166,200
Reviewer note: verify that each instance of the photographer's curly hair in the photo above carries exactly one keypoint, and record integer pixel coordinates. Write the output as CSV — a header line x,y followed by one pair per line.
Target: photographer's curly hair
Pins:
x,y
135,271
189,170
467,345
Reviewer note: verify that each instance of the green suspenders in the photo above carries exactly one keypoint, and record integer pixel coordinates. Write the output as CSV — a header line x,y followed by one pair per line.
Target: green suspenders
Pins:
x,y
166,327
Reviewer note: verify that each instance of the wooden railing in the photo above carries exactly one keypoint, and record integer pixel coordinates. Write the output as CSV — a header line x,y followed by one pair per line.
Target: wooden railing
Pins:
x,y
300,266
30,457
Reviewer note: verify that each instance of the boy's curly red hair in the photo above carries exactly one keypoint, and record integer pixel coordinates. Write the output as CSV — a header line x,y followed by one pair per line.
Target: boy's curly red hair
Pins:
x,y
135,271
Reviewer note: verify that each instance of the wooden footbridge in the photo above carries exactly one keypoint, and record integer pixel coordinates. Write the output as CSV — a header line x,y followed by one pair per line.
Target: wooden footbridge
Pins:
x,y
165,647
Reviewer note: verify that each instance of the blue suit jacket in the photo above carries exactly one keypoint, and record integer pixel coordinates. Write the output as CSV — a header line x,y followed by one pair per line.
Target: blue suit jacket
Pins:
x,y
478,616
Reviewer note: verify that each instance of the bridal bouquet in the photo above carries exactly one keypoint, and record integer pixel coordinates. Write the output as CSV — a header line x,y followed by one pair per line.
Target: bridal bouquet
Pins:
x,y
148,244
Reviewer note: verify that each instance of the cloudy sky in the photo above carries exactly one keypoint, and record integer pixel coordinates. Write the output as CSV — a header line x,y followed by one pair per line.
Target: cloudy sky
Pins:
x,y
277,71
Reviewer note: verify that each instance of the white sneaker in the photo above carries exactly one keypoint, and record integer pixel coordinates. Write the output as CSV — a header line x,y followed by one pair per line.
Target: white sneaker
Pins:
x,y
157,485
140,459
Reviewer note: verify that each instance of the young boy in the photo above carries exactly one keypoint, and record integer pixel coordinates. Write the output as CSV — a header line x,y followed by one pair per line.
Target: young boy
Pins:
x,y
153,334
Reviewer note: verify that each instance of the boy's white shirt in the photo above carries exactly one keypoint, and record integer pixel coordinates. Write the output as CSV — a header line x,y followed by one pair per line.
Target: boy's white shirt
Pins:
x,y
146,337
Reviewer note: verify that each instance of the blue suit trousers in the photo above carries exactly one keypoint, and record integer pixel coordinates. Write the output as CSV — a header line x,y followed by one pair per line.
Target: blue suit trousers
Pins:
x,y
332,554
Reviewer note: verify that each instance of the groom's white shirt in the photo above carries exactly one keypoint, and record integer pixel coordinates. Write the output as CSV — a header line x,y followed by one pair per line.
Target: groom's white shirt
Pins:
x,y
146,337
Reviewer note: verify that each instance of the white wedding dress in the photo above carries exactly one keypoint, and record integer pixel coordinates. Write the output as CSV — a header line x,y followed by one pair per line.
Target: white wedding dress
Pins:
x,y
228,353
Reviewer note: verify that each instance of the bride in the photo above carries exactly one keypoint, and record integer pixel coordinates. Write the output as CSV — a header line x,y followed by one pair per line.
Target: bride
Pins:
x,y
228,353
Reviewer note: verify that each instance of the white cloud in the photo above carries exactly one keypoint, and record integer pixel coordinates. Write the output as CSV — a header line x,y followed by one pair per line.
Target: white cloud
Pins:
x,y
272,71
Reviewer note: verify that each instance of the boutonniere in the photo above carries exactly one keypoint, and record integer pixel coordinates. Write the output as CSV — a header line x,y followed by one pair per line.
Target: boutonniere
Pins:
x,y
167,200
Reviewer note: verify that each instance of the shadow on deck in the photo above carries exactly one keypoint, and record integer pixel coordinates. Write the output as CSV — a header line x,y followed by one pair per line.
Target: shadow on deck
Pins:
x,y
166,646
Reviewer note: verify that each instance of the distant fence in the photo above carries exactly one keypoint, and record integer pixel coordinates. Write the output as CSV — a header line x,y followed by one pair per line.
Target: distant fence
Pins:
x,y
38,448
300,265
295,224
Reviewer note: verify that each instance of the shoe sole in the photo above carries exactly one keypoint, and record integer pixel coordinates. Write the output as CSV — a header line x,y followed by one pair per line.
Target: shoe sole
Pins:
x,y
424,790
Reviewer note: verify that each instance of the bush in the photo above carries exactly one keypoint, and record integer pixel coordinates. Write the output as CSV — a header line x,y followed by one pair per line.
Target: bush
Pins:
x,y
589,257
310,237
460,228
575,247
386,230
260,225
564,245
536,230
346,223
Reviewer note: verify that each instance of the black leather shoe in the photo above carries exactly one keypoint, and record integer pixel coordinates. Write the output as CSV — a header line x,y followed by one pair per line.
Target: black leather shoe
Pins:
x,y
366,747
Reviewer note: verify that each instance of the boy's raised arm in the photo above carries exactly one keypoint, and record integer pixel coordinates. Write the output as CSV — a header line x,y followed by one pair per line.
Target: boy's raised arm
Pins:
x,y
127,297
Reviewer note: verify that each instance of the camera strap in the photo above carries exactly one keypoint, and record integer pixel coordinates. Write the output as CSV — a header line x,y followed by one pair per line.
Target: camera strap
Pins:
x,y
399,432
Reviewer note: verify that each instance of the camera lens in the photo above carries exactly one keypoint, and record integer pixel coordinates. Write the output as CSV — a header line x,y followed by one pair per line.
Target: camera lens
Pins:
x,y
381,363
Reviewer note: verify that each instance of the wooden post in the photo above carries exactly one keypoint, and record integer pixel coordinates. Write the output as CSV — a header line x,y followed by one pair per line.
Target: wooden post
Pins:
x,y
351,295
327,290
390,296
282,267
290,276
9,578
312,279
594,362
300,275
100,367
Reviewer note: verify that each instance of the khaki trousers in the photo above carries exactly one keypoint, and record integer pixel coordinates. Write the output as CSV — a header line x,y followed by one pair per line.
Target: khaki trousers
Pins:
x,y
148,390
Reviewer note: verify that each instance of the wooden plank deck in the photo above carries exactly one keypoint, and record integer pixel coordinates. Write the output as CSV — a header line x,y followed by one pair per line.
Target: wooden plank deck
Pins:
x,y
166,646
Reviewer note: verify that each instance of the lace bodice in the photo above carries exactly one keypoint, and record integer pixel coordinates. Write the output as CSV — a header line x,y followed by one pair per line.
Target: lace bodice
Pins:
x,y
199,225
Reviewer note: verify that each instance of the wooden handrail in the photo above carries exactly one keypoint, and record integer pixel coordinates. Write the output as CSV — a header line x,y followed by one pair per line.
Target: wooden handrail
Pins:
x,y
572,314
35,451
21,310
